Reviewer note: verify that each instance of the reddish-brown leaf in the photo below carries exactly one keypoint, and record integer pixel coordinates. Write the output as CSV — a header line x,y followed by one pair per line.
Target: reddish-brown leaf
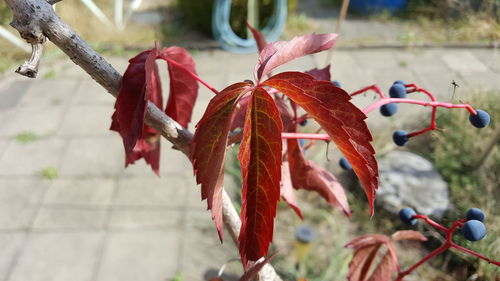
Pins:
x,y
183,87
287,192
307,175
140,83
260,161
320,74
208,148
408,235
366,249
251,273
259,38
281,52
344,122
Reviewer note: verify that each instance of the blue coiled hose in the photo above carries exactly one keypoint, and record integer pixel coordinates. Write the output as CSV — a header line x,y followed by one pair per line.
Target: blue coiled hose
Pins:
x,y
229,41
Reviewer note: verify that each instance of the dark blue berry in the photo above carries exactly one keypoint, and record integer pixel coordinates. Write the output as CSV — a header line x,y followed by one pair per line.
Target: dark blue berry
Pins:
x,y
336,83
344,164
303,122
406,216
389,109
473,230
399,82
475,214
397,91
480,120
400,137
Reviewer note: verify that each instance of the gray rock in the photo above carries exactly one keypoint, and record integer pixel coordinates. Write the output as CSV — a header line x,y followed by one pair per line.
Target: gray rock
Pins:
x,y
409,180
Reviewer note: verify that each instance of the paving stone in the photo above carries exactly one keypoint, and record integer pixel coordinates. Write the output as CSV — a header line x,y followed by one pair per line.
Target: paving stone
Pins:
x,y
141,218
11,245
93,156
31,158
89,92
49,92
41,120
463,62
81,192
490,57
12,93
140,255
201,237
59,257
70,218
87,120
151,191
3,144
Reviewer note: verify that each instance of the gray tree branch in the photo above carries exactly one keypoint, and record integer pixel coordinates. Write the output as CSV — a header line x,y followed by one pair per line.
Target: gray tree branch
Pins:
x,y
36,21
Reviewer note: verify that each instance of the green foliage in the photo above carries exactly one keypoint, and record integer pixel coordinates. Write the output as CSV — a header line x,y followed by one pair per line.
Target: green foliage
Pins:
x,y
199,13
50,173
26,137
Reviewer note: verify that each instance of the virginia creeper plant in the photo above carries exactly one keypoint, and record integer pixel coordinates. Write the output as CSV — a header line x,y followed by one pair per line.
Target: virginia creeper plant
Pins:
x,y
263,115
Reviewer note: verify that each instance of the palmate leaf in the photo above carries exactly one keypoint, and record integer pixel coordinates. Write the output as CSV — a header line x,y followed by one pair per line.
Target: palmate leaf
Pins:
x,y
208,148
260,162
321,73
140,84
344,122
366,249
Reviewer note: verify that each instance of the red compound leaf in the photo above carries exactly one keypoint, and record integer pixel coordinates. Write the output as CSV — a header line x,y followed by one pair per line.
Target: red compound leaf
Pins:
x,y
183,87
251,273
281,52
408,235
259,38
344,122
366,249
320,74
140,84
260,161
208,148
307,175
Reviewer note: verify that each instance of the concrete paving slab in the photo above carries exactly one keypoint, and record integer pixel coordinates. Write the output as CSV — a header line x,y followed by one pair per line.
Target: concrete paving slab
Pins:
x,y
12,93
41,120
70,218
81,192
11,244
151,191
90,92
94,156
31,158
138,218
463,61
87,120
59,257
140,255
49,92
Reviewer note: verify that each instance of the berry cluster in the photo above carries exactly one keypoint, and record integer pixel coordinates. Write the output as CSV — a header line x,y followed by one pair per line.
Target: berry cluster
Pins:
x,y
399,90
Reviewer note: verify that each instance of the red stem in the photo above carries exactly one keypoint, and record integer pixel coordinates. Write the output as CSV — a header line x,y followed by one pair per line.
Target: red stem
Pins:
x,y
374,88
436,252
309,136
474,254
191,74
419,102
431,222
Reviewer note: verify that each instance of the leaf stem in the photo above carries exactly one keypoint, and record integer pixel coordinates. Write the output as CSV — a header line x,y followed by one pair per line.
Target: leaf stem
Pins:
x,y
308,136
191,74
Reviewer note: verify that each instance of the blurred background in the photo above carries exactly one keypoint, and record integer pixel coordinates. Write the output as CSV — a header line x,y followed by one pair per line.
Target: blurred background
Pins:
x,y
70,211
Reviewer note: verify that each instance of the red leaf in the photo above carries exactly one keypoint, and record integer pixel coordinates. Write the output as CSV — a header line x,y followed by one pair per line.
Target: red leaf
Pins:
x,y
281,52
208,148
140,83
259,38
254,270
408,235
344,122
287,192
309,176
366,249
240,113
320,74
183,87
260,161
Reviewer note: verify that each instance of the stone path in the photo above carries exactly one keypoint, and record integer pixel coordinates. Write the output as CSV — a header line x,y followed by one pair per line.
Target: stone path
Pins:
x,y
99,221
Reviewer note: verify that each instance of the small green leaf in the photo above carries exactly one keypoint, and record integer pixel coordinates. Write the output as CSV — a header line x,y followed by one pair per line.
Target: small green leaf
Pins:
x,y
50,173
27,137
